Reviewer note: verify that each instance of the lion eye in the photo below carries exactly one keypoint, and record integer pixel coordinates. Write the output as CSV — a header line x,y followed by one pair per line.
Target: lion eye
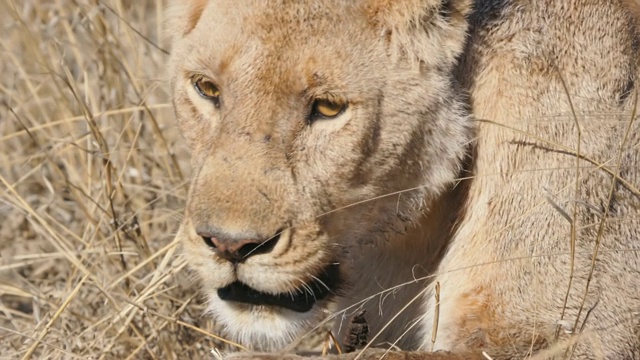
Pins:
x,y
207,89
327,108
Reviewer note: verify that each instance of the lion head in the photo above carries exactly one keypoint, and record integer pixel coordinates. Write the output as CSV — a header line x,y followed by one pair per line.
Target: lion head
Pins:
x,y
301,117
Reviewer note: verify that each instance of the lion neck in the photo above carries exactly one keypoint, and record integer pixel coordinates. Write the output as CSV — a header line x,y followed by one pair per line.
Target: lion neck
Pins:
x,y
396,268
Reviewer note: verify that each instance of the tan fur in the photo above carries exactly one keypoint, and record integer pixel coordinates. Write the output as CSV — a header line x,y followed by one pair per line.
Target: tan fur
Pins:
x,y
480,109
185,16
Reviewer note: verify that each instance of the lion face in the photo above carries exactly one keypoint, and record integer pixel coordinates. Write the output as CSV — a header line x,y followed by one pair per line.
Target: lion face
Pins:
x,y
300,118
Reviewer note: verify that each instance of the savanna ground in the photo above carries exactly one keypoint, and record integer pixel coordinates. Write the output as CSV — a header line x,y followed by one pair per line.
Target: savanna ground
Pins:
x,y
92,180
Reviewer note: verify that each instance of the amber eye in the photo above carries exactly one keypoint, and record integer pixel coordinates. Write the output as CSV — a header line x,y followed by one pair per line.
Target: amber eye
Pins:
x,y
323,108
207,89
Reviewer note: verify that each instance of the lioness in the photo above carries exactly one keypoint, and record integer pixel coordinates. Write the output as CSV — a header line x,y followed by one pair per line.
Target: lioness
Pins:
x,y
464,171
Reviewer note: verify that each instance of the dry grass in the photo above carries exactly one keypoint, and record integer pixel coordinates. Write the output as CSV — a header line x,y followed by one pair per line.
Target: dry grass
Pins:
x,y
92,179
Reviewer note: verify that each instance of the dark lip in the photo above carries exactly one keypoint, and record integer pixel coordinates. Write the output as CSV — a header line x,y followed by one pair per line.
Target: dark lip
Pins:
x,y
326,283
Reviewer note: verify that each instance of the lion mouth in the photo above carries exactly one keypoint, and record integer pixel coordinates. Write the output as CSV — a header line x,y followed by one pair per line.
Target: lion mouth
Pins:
x,y
299,300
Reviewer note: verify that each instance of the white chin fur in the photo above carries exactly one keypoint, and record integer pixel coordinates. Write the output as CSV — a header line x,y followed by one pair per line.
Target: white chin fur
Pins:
x,y
262,328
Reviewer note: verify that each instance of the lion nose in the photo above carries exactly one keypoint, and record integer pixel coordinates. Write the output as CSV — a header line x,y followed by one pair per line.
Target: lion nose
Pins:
x,y
237,249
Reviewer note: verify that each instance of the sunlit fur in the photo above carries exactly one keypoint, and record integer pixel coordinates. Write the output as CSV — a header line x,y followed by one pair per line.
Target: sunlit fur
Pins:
x,y
490,92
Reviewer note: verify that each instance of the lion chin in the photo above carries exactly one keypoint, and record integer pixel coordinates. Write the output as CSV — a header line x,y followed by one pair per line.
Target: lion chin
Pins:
x,y
265,327
270,321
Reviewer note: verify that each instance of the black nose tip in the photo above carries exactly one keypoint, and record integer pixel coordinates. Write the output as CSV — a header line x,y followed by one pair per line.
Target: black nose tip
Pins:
x,y
237,249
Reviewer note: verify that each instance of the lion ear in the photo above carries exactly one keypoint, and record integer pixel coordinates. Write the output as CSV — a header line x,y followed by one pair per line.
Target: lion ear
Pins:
x,y
182,16
433,31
